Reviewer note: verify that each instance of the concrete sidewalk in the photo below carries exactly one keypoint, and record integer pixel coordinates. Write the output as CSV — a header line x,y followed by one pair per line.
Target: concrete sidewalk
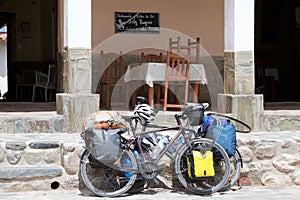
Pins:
x,y
247,193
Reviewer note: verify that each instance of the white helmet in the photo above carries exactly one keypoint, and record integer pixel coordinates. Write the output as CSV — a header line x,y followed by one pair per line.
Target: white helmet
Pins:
x,y
145,113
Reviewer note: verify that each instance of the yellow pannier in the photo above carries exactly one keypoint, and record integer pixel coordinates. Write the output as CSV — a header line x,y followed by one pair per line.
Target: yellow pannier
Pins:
x,y
200,165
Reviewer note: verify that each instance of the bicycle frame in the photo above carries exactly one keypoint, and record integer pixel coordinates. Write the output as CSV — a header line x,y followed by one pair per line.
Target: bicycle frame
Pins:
x,y
137,135
181,131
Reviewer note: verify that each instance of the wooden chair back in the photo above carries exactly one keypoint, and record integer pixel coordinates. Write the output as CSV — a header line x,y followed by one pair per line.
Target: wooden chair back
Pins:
x,y
112,70
177,73
191,48
264,84
195,47
46,81
151,57
111,65
260,69
178,67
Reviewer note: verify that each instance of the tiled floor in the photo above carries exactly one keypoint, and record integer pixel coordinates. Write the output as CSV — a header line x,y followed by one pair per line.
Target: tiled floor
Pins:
x,y
27,106
282,106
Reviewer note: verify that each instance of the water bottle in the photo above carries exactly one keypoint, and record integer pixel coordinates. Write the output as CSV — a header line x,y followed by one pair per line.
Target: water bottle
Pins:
x,y
180,140
161,143
127,164
171,149
178,143
159,147
158,137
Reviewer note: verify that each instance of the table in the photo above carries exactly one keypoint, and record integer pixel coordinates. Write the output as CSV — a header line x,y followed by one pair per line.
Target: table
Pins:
x,y
24,80
272,72
155,72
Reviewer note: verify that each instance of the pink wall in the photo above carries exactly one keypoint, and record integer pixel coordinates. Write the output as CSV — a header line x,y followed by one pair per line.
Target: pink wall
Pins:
x,y
194,18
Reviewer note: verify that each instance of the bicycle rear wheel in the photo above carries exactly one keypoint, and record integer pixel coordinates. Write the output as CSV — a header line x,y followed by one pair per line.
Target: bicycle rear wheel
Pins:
x,y
105,181
203,185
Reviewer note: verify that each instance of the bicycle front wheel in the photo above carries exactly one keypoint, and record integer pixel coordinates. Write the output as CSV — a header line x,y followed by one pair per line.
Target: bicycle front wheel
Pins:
x,y
203,185
106,181
235,170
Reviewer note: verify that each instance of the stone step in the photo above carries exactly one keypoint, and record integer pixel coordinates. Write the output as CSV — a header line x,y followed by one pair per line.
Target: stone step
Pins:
x,y
28,178
51,122
14,173
15,178
31,122
280,120
39,161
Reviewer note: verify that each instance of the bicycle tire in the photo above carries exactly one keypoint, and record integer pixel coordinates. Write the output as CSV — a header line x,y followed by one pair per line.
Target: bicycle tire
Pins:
x,y
103,180
203,185
236,164
238,123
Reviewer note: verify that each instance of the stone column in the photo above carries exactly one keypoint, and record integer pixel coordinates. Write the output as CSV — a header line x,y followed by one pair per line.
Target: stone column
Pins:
x,y
239,84
77,101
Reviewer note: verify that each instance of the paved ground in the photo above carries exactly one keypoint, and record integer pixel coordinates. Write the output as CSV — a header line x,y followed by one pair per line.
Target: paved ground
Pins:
x,y
247,193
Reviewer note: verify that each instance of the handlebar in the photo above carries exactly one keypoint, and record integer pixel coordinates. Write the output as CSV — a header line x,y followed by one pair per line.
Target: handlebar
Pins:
x,y
194,107
190,107
177,117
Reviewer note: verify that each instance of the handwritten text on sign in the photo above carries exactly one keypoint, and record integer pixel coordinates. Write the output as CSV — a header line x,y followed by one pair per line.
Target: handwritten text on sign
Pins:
x,y
128,22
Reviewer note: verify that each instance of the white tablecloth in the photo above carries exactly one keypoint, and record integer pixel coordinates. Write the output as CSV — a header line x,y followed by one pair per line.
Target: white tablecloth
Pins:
x,y
272,72
156,72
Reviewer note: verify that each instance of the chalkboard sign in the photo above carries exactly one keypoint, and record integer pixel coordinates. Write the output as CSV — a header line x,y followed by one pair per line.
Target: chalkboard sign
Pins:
x,y
130,22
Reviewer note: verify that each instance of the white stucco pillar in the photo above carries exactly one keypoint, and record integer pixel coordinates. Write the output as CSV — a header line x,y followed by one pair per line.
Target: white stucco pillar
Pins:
x,y
77,42
239,84
239,46
77,101
239,25
77,26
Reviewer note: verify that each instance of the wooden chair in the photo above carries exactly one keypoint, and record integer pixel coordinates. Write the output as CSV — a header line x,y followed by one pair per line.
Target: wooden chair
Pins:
x,y
264,84
111,67
177,74
24,80
45,81
151,57
146,58
192,47
195,47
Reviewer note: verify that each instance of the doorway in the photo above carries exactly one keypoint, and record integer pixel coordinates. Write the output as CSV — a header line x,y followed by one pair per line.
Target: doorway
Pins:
x,y
3,60
31,44
277,48
6,21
